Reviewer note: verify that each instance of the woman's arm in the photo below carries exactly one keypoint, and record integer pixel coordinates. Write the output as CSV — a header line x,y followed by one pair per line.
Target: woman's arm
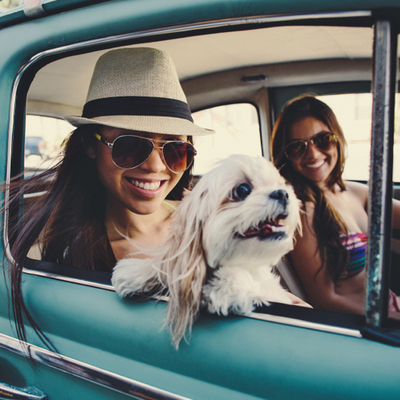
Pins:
x,y
320,289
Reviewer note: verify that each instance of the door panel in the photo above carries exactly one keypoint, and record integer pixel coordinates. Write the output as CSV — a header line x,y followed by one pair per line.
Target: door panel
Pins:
x,y
226,357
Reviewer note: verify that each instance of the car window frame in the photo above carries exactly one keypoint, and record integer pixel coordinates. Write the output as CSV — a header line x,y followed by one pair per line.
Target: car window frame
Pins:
x,y
25,75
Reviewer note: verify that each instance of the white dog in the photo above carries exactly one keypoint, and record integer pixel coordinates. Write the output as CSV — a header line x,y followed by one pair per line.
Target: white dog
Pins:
x,y
228,234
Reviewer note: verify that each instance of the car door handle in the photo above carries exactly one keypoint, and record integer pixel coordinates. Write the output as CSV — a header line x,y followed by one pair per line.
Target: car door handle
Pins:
x,y
16,393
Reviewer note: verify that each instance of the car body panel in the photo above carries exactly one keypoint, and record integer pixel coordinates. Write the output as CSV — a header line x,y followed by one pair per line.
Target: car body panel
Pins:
x,y
264,359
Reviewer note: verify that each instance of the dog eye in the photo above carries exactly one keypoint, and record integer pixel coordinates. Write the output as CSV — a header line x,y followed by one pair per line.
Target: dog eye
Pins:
x,y
241,191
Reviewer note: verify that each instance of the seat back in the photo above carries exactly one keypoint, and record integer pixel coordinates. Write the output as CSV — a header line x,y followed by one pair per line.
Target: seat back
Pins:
x,y
290,278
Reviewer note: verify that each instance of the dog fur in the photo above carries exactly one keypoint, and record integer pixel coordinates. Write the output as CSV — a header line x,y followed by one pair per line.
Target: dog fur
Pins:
x,y
227,236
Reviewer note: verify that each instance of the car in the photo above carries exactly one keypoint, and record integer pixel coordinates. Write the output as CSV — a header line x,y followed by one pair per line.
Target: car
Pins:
x,y
239,62
34,146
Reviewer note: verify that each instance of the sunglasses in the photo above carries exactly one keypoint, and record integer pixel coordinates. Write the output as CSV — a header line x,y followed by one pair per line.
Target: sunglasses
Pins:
x,y
297,148
129,151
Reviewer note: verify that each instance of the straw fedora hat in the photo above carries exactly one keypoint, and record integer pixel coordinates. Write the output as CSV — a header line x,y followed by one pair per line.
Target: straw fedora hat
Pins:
x,y
138,89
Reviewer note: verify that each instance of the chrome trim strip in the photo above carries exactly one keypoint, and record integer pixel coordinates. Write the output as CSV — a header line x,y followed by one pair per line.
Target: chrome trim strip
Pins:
x,y
77,281
6,244
17,393
306,324
98,376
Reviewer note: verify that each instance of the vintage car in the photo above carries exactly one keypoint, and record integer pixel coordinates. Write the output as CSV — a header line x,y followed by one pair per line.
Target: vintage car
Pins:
x,y
239,61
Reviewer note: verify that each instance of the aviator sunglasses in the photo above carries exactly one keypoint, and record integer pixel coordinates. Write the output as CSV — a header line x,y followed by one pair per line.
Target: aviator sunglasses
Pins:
x,y
296,149
130,151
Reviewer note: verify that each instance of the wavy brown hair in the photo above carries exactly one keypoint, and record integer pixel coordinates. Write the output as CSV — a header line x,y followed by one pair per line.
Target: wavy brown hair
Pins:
x,y
67,219
327,223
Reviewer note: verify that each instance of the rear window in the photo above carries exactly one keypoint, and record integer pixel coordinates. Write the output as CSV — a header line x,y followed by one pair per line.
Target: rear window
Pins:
x,y
237,132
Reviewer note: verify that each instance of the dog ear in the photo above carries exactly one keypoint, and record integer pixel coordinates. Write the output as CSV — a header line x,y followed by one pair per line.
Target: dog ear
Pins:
x,y
184,265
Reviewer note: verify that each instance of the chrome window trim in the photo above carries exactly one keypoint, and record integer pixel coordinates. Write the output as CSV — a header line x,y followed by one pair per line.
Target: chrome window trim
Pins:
x,y
299,323
141,35
63,278
98,376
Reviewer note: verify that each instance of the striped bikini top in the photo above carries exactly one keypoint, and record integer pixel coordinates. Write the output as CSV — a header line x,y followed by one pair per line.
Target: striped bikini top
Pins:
x,y
356,244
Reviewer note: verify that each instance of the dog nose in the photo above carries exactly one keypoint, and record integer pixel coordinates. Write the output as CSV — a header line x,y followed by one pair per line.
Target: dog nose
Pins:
x,y
280,195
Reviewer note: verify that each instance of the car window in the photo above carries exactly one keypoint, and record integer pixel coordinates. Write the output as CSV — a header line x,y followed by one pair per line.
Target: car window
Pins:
x,y
237,132
243,92
354,111
43,141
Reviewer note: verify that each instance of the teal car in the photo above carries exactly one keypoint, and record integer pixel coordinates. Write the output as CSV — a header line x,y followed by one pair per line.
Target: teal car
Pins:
x,y
239,61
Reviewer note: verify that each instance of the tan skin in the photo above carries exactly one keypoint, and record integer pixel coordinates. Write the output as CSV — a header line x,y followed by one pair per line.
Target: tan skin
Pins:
x,y
134,213
316,165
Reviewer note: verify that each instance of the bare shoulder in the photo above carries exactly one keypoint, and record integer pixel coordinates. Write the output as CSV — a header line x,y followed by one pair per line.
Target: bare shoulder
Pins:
x,y
358,190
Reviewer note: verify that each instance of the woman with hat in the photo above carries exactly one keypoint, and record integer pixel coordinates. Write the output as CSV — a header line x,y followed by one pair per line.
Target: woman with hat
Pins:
x,y
122,171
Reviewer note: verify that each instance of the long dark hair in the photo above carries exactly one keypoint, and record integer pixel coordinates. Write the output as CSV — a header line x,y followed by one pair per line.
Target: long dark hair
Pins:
x,y
327,223
67,219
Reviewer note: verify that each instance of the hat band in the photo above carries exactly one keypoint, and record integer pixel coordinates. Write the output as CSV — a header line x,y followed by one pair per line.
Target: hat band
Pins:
x,y
151,106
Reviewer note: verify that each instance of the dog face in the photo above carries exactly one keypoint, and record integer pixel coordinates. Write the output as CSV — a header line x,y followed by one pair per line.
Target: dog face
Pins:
x,y
252,213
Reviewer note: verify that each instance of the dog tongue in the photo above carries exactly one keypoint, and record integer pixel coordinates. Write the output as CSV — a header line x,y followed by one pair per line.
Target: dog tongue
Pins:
x,y
263,231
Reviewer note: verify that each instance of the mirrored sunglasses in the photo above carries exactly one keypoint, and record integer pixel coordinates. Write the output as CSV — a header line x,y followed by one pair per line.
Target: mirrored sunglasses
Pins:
x,y
324,141
130,151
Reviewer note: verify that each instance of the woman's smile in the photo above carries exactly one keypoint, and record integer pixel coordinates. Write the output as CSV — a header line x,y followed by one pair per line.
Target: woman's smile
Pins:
x,y
146,187
315,165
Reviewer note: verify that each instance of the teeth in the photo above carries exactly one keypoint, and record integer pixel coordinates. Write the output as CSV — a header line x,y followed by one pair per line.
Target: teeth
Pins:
x,y
147,185
315,165
280,228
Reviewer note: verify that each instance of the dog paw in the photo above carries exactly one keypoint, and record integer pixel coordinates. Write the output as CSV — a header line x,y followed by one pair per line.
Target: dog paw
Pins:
x,y
132,276
222,302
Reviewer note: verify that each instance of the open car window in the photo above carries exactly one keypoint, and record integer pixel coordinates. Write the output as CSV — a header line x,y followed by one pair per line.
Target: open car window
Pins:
x,y
354,112
233,95
43,142
237,93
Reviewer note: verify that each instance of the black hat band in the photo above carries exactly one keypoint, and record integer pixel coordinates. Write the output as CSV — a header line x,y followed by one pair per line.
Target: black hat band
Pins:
x,y
129,105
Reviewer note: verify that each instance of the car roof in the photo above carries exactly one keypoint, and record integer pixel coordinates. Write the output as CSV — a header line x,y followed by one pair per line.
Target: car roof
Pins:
x,y
281,54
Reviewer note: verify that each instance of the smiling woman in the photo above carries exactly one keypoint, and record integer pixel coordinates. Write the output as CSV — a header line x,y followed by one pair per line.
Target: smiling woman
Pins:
x,y
109,189
308,146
